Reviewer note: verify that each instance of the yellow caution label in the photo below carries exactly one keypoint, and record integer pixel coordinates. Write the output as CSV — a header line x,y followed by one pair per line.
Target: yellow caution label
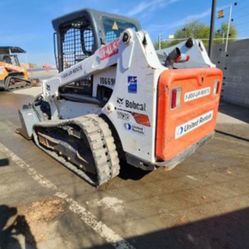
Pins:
x,y
115,26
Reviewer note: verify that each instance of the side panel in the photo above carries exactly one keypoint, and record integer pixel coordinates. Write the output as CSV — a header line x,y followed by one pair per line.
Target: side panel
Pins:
x,y
6,69
132,106
104,78
3,75
3,72
195,117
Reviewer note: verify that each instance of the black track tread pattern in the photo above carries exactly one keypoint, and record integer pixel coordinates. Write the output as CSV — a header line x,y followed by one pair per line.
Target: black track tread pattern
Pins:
x,y
101,143
25,84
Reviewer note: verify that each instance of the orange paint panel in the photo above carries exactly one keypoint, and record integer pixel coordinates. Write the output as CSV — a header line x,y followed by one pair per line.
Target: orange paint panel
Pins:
x,y
194,118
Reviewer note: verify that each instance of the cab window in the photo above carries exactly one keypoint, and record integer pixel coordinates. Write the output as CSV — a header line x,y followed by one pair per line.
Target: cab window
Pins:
x,y
114,27
11,59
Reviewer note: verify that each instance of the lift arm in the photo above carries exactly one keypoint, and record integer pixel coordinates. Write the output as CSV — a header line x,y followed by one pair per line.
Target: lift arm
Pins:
x,y
120,50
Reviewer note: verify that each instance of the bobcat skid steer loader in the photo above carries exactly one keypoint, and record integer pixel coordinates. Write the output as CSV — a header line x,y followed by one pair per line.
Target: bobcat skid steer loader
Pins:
x,y
116,98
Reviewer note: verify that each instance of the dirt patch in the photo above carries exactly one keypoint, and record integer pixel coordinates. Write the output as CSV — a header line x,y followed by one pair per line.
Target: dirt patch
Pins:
x,y
32,220
42,211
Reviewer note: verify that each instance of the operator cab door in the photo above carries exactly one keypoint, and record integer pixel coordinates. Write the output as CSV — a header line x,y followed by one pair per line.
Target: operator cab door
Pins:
x,y
77,42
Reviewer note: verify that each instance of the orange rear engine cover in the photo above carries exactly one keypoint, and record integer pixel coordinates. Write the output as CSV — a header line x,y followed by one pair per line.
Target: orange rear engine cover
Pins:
x,y
195,116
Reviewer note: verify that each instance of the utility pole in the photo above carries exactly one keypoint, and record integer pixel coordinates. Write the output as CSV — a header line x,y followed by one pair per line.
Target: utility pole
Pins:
x,y
159,41
212,21
229,26
223,37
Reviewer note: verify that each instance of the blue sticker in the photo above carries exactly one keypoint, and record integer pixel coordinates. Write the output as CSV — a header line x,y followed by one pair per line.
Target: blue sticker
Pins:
x,y
127,126
180,131
132,84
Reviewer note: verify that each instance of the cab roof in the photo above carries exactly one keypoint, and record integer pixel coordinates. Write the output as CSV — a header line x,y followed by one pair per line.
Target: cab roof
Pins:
x,y
94,14
11,49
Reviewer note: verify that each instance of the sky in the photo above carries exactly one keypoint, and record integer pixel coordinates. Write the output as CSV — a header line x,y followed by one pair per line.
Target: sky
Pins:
x,y
27,23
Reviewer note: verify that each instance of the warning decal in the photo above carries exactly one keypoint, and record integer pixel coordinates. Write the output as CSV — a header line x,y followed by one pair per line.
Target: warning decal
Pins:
x,y
189,96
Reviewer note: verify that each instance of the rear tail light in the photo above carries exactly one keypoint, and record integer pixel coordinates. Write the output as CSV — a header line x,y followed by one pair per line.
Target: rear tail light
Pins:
x,y
176,97
216,87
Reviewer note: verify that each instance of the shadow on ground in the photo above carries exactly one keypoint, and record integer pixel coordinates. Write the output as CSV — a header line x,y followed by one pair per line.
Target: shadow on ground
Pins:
x,y
129,172
12,226
4,162
235,111
228,231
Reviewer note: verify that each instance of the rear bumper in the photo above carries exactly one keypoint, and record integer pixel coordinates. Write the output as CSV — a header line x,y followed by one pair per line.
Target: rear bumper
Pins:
x,y
169,164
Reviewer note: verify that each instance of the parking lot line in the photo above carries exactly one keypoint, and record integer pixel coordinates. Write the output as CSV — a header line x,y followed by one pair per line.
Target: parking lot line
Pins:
x,y
87,217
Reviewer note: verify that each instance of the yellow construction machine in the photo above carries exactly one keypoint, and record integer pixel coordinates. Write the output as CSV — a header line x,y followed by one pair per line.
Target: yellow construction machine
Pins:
x,y
12,74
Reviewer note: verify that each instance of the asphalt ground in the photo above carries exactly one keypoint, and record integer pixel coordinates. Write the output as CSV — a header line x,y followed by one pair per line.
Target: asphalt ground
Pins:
x,y
202,203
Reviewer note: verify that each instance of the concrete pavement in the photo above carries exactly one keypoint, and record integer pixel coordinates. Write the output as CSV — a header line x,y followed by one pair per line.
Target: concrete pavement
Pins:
x,y
202,203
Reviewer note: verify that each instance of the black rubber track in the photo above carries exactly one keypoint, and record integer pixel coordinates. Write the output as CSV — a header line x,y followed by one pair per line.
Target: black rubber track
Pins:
x,y
101,142
19,84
